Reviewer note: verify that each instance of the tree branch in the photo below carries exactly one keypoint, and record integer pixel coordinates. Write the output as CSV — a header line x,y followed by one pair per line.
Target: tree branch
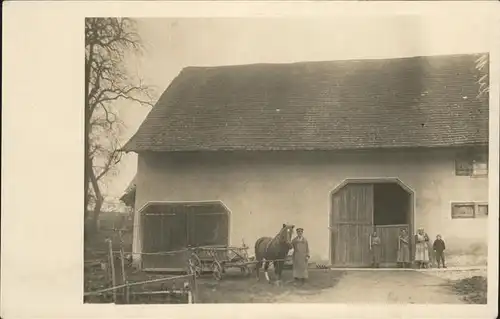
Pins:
x,y
113,159
108,41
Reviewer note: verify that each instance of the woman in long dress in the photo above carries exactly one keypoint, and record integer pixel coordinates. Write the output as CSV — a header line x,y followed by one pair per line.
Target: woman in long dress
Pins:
x,y
421,248
403,249
375,243
300,256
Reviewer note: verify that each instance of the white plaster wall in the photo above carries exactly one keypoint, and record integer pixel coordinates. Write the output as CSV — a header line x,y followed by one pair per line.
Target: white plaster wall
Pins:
x,y
265,190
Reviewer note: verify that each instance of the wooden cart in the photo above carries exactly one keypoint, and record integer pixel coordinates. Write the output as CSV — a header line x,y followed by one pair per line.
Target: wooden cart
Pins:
x,y
218,258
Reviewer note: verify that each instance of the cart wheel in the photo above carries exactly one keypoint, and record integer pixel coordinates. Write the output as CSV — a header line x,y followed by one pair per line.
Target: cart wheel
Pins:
x,y
196,263
217,270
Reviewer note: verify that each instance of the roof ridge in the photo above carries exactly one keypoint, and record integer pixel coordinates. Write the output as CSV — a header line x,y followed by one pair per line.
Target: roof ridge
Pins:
x,y
456,55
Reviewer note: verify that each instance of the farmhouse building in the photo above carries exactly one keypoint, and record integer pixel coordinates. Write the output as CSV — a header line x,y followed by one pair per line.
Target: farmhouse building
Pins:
x,y
231,153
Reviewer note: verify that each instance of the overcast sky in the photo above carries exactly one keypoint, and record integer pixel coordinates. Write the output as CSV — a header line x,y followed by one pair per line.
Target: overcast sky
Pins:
x,y
173,44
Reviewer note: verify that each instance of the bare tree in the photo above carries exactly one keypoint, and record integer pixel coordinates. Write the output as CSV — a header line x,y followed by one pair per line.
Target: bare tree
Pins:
x,y
108,44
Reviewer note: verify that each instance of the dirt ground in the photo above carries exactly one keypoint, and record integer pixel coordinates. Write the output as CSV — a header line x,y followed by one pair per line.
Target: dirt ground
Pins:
x,y
352,286
453,275
235,288
393,287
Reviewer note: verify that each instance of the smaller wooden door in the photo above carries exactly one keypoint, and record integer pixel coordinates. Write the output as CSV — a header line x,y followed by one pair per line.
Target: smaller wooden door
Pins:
x,y
164,232
208,229
351,223
208,225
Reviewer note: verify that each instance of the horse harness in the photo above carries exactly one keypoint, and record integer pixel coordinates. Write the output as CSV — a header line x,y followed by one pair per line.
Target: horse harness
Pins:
x,y
271,241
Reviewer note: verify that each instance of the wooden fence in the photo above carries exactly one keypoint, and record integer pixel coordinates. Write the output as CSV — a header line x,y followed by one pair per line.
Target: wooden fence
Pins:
x,y
170,291
165,289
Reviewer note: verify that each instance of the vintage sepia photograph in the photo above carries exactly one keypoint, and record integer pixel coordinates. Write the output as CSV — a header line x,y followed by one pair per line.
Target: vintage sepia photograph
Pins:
x,y
286,160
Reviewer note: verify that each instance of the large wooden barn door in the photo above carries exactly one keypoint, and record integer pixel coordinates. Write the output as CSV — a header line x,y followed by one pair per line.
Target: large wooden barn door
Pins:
x,y
164,231
351,223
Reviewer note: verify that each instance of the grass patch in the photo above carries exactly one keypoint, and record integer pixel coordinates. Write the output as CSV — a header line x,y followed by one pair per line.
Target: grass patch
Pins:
x,y
473,289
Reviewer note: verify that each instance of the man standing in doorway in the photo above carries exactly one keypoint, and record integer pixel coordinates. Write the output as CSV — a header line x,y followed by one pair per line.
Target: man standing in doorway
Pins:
x,y
403,248
300,256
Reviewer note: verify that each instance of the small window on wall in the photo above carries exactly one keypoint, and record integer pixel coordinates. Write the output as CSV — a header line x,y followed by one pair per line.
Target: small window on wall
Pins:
x,y
469,210
473,162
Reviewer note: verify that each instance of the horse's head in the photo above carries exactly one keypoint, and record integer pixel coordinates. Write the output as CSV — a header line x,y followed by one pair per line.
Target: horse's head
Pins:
x,y
286,233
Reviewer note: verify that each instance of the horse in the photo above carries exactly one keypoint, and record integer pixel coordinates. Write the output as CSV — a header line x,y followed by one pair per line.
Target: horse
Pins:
x,y
273,249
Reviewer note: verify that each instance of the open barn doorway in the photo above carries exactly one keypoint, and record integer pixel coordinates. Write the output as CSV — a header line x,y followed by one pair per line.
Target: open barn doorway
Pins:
x,y
360,206
392,211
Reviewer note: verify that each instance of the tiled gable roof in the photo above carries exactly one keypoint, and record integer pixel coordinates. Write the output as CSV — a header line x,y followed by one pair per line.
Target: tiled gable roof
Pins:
x,y
404,102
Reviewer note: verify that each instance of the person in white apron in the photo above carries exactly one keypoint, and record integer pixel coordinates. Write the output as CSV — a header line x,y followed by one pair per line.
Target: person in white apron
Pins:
x,y
421,249
300,256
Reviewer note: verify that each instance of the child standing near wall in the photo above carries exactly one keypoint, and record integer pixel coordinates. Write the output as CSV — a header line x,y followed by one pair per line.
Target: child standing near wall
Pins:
x,y
439,247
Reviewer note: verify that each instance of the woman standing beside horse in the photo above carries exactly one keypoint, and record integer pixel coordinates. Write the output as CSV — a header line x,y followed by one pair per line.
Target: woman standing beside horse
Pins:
x,y
275,249
300,256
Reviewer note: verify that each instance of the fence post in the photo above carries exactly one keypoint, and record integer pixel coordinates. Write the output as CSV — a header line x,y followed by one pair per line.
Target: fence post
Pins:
x,y
112,265
193,295
194,288
124,275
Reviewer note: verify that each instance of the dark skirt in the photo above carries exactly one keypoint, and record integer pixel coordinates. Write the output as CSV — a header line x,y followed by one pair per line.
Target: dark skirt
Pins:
x,y
376,254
